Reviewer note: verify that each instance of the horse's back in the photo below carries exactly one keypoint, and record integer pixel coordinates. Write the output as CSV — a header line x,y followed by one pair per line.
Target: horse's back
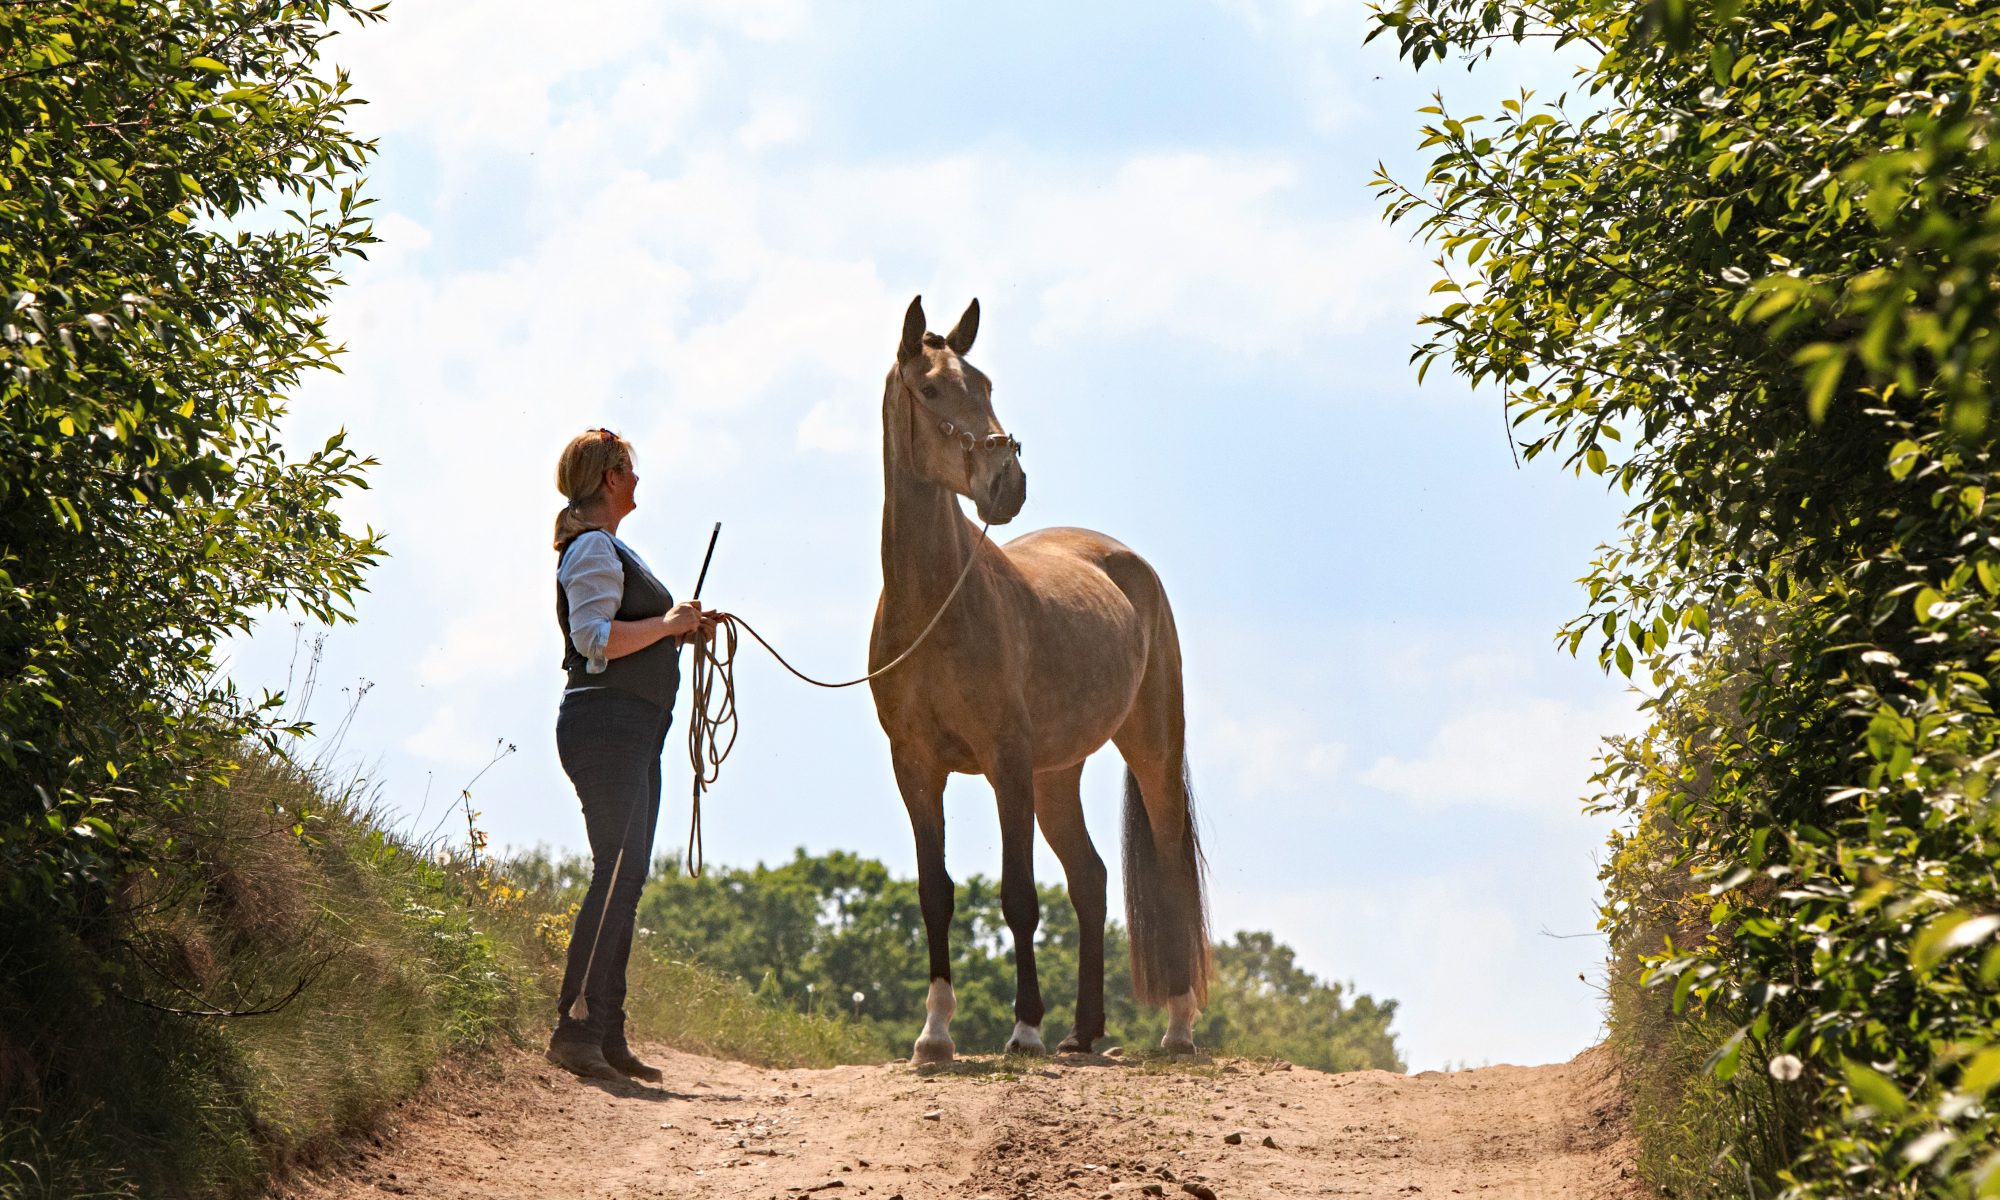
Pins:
x,y
1064,562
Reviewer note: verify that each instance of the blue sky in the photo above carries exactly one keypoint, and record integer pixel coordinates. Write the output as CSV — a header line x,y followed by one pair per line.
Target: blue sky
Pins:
x,y
699,223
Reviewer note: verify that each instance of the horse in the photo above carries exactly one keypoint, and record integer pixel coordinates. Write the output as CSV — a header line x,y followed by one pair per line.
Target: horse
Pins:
x,y
1043,650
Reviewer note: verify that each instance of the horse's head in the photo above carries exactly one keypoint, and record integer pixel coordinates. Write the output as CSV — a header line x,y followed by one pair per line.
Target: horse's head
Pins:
x,y
952,437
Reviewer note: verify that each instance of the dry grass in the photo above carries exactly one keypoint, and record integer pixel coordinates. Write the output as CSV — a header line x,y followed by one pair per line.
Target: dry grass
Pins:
x,y
365,960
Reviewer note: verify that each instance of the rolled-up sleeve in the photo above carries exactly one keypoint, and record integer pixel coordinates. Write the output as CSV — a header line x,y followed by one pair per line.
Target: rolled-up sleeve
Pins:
x,y
594,581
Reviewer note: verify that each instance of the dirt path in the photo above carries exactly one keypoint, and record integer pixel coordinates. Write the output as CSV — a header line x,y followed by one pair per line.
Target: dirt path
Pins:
x,y
1074,1127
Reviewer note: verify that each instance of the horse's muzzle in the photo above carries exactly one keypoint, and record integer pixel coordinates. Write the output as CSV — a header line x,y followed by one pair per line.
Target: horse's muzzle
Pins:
x,y
1002,500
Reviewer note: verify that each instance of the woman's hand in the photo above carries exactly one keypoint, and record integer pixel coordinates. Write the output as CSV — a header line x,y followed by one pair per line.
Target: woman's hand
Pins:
x,y
708,620
682,619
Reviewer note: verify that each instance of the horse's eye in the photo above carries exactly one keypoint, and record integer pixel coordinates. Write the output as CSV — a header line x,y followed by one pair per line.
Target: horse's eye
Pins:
x,y
930,391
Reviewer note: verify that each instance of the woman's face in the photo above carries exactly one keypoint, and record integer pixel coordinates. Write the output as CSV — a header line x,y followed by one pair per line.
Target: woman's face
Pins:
x,y
621,483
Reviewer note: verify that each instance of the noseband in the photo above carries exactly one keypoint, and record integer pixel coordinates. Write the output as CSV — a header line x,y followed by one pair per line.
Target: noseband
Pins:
x,y
971,442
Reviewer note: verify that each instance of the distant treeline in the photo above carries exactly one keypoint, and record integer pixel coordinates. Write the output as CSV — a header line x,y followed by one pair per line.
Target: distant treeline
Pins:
x,y
839,932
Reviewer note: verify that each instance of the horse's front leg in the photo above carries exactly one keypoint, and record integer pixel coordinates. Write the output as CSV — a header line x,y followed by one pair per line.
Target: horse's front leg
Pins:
x,y
1013,778
923,795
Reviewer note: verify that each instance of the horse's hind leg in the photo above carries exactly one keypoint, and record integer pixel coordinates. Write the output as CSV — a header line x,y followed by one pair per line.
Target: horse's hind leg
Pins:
x,y
923,796
1059,810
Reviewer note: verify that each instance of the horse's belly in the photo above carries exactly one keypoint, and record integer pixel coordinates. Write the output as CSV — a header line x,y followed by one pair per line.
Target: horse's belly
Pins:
x,y
1085,678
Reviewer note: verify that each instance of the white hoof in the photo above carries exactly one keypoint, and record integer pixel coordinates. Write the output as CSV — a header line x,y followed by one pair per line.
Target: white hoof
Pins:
x,y
934,1043
932,1050
1026,1040
1181,1013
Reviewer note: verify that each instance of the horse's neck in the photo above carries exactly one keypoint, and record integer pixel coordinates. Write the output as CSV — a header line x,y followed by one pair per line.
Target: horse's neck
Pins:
x,y
925,538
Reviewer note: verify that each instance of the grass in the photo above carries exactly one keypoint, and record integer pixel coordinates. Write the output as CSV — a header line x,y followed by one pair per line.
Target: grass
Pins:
x,y
1698,1137
287,972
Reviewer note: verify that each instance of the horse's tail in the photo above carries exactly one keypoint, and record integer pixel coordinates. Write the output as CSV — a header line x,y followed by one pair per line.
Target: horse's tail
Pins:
x,y
1166,910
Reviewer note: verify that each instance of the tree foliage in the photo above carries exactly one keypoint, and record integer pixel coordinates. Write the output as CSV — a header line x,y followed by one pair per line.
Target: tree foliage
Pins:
x,y
820,930
1745,270
177,190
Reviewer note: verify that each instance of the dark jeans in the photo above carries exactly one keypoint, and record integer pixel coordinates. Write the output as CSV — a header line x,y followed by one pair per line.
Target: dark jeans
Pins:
x,y
609,742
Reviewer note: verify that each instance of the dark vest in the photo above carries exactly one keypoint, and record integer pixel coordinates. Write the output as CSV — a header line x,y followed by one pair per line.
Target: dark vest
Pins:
x,y
653,673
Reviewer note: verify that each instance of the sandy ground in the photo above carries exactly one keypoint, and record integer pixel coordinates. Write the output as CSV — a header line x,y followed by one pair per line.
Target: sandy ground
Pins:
x,y
1076,1126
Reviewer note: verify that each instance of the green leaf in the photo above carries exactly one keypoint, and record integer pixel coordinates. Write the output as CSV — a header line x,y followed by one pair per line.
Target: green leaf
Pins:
x,y
1821,379
1981,1072
1903,458
1723,1062
1947,934
1873,1088
1696,618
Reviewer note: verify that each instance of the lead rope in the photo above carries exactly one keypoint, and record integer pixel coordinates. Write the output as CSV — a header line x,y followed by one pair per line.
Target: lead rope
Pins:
x,y
712,719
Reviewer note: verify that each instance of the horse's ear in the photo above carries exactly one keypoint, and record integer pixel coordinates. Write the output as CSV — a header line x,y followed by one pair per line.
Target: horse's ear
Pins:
x,y
961,335
913,331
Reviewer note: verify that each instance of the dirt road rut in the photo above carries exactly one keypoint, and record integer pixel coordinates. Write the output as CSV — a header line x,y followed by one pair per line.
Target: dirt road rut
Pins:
x,y
1090,1127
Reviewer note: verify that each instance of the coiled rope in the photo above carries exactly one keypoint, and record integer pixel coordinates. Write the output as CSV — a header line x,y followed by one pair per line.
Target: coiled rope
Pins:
x,y
712,718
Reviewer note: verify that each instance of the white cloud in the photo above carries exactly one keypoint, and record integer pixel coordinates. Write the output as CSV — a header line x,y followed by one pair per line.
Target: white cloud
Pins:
x,y
1274,753
449,739
773,122
402,239
761,20
837,429
465,76
1472,985
484,645
1203,247
1531,754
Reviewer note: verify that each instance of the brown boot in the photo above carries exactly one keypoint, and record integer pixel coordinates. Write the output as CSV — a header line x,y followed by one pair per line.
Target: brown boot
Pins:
x,y
621,1058
581,1059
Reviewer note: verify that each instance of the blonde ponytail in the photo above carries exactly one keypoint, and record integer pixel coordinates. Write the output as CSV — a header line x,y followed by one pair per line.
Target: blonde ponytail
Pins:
x,y
580,478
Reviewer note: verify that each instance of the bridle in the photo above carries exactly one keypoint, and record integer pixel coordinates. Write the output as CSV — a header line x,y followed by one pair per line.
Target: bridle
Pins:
x,y
971,443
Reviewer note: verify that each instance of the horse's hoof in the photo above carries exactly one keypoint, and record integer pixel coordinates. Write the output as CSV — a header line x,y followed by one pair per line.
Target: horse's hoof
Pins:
x,y
1075,1044
932,1050
1027,1039
1174,1045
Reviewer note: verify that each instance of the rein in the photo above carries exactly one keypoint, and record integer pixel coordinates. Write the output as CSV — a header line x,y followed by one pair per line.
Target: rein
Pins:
x,y
712,719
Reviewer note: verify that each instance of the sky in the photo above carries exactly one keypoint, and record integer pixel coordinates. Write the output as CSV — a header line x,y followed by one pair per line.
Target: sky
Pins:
x,y
699,223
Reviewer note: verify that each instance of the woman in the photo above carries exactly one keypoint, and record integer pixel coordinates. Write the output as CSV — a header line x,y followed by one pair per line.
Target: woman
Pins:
x,y
621,638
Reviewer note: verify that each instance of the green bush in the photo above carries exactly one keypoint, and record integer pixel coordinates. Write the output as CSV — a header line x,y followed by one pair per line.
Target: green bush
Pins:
x,y
1747,270
159,306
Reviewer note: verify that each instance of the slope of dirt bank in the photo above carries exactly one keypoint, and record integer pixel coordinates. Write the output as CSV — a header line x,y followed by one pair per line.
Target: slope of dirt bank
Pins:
x,y
1071,1127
